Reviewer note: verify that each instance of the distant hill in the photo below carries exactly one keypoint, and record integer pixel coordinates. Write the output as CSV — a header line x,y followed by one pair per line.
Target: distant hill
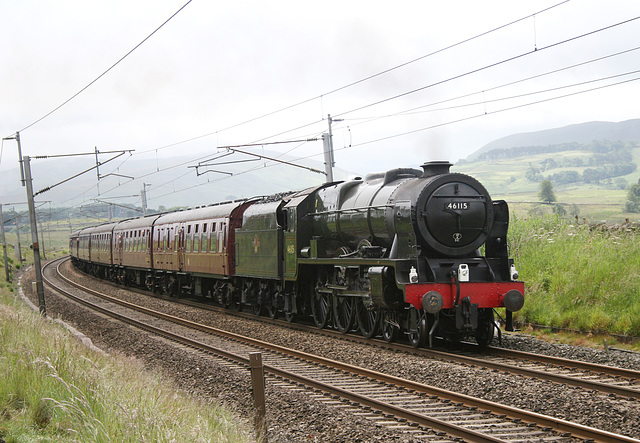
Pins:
x,y
578,158
581,133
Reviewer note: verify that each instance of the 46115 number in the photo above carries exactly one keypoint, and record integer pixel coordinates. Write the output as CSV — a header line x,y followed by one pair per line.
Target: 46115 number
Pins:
x,y
457,206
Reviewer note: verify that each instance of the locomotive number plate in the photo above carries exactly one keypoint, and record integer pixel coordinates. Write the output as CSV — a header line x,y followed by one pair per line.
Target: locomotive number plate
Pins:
x,y
456,206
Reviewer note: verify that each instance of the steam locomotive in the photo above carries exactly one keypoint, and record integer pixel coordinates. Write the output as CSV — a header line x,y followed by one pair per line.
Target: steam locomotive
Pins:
x,y
394,254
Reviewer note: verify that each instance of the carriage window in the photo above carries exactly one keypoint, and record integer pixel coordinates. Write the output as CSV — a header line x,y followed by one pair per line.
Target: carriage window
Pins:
x,y
213,226
189,243
196,241
189,229
204,228
214,242
197,226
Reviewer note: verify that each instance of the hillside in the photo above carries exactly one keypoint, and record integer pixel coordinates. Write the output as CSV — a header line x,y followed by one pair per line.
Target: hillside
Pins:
x,y
569,156
589,175
581,133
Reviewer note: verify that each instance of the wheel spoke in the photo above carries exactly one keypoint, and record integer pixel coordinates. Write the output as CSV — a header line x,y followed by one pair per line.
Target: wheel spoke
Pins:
x,y
390,327
343,313
321,302
368,319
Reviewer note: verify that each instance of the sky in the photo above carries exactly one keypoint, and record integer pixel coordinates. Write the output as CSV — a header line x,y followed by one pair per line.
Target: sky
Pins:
x,y
405,82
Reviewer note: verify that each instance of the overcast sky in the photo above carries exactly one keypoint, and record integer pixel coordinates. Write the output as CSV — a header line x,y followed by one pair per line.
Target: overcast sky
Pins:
x,y
206,76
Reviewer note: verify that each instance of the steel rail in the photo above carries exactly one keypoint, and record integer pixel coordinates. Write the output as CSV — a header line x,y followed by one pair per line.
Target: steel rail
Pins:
x,y
514,413
467,434
622,391
609,370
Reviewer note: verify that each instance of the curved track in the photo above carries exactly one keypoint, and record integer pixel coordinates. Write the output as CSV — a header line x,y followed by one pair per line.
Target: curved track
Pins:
x,y
609,380
391,400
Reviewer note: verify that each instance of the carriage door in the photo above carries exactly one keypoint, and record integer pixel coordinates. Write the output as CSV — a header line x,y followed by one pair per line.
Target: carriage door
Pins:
x,y
180,248
120,248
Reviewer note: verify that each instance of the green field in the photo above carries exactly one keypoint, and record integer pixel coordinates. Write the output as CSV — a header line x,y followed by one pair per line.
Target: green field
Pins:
x,y
505,180
577,276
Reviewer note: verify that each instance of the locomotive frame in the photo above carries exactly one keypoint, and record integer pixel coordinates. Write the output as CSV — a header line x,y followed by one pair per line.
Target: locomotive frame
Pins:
x,y
395,252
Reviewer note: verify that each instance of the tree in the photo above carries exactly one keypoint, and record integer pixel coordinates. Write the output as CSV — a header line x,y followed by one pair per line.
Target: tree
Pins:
x,y
546,193
559,209
633,198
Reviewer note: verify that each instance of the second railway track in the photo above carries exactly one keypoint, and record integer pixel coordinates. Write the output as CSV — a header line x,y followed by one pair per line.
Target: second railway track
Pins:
x,y
391,399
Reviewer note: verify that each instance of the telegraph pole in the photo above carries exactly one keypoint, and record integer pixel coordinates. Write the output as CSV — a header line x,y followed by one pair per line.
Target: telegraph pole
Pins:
x,y
19,249
44,255
4,246
143,194
327,142
26,163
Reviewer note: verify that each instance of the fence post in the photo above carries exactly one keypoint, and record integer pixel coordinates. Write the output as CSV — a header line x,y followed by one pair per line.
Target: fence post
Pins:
x,y
257,382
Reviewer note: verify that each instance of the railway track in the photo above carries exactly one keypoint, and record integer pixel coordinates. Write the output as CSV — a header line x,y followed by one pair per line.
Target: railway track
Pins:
x,y
426,412
609,380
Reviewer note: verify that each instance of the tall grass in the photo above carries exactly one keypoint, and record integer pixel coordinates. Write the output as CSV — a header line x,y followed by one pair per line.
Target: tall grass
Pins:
x,y
54,389
577,276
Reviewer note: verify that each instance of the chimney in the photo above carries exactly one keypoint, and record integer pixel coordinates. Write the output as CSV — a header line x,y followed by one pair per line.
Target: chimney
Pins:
x,y
435,168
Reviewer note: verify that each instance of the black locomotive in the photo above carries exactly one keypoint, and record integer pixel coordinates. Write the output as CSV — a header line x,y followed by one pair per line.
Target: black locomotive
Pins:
x,y
393,253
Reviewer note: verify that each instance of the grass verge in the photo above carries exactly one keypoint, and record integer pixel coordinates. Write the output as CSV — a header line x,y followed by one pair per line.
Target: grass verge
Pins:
x,y
53,388
578,277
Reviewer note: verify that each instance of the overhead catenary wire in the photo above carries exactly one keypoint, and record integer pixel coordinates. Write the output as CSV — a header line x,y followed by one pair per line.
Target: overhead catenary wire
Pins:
x,y
474,71
304,101
494,88
362,80
105,72
428,86
485,113
459,76
489,66
450,122
327,93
